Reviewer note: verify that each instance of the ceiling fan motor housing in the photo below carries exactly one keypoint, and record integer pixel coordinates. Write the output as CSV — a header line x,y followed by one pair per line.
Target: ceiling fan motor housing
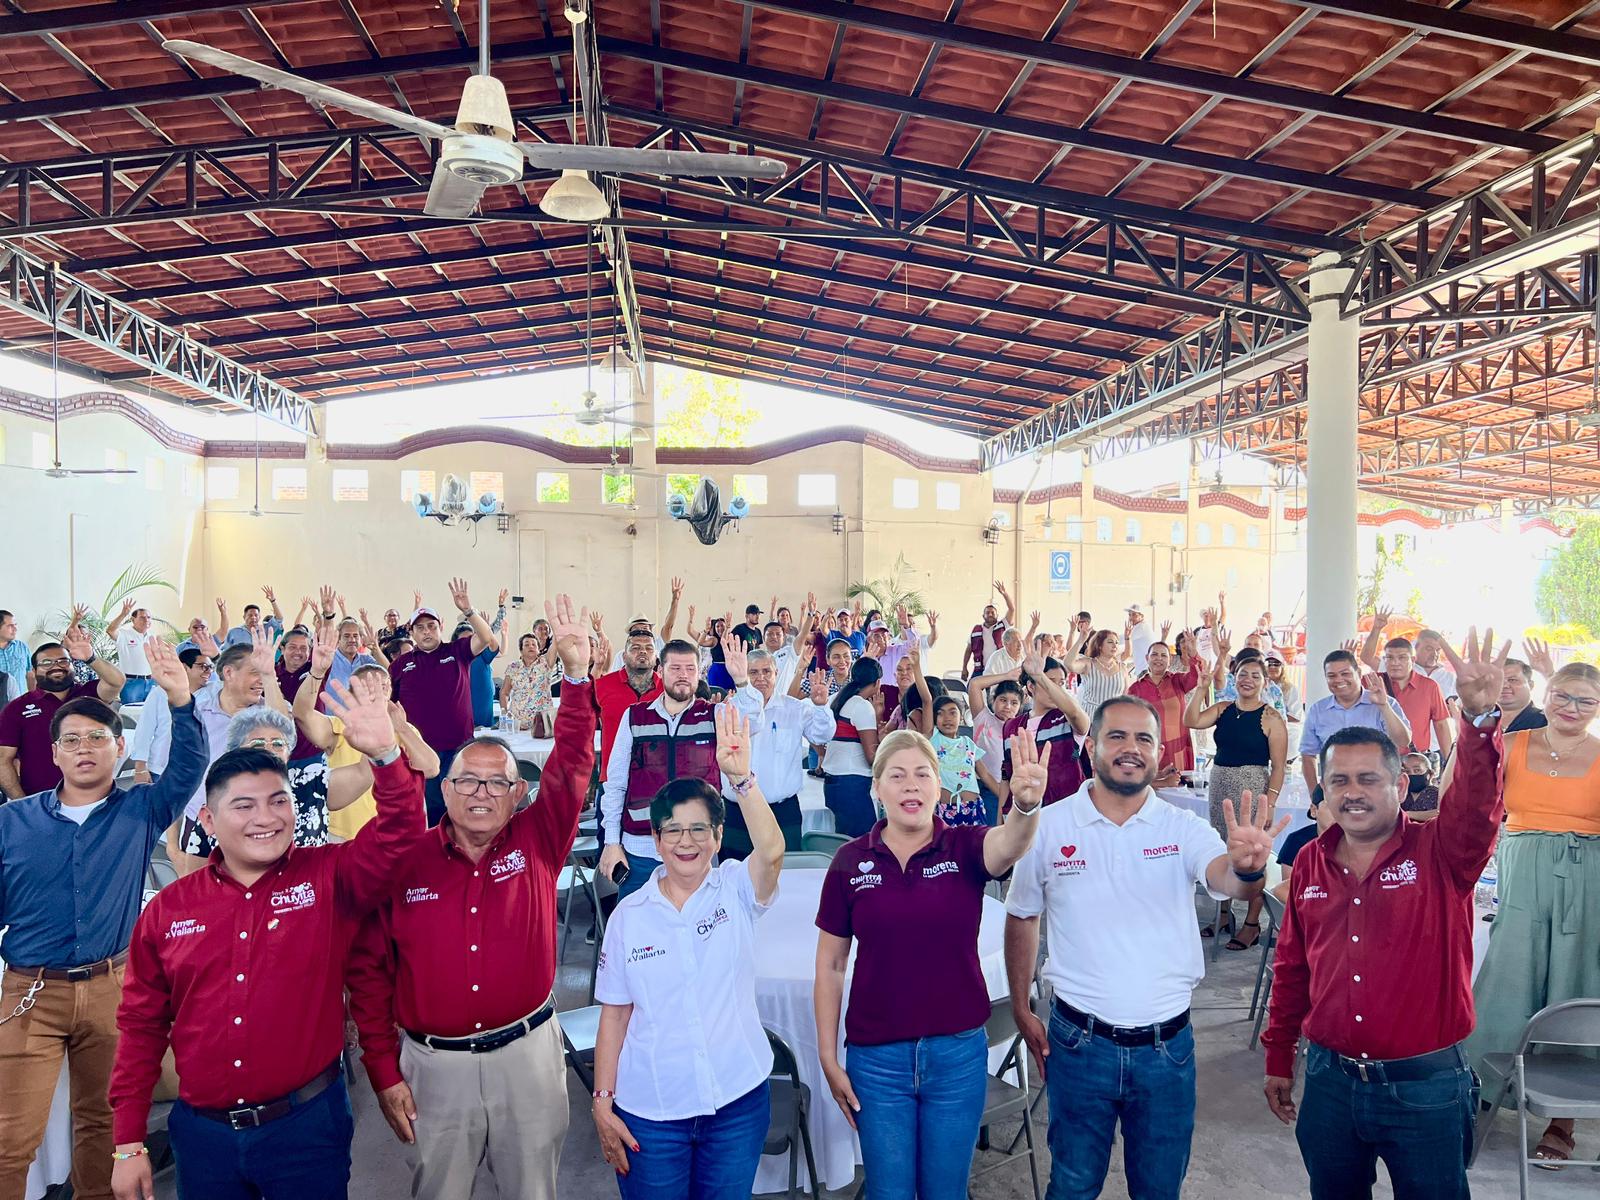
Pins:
x,y
483,160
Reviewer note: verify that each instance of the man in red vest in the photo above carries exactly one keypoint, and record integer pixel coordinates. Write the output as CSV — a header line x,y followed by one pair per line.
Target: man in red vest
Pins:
x,y
671,737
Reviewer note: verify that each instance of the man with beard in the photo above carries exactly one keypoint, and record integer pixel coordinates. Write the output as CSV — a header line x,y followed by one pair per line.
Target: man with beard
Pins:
x,y
1115,866
72,873
987,635
26,762
671,737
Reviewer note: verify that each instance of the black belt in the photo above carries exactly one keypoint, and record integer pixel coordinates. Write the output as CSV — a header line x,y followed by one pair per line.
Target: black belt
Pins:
x,y
74,974
252,1115
482,1043
1125,1035
1400,1070
130,675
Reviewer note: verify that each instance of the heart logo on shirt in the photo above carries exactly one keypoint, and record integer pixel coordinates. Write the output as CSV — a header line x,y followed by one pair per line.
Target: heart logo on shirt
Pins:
x,y
865,865
1068,851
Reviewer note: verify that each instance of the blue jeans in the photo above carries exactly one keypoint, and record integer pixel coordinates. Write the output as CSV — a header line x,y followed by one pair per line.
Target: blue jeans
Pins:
x,y
1422,1130
136,689
849,798
639,872
920,1107
303,1156
991,805
698,1158
1094,1083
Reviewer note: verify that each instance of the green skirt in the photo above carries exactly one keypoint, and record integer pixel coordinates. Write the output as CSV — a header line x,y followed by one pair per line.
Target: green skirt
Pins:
x,y
1544,946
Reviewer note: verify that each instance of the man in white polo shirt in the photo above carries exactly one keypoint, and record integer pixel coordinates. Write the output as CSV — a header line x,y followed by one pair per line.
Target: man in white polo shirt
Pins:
x,y
779,735
1115,867
129,640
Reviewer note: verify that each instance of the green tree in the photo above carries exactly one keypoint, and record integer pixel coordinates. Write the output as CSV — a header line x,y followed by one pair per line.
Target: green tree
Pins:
x,y
891,592
701,410
133,577
1569,589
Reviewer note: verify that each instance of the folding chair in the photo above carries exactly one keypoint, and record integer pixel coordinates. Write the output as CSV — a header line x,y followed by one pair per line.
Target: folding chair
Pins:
x,y
576,878
1005,1100
789,1129
580,1027
1269,946
823,843
1547,1084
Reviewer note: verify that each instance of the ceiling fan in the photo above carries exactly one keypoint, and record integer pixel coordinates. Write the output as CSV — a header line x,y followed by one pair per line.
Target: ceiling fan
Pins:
x,y
482,150
55,470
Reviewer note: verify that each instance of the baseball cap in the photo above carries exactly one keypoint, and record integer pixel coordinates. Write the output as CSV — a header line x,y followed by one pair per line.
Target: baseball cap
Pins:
x,y
876,625
752,608
641,621
421,613
1274,656
843,612
1134,608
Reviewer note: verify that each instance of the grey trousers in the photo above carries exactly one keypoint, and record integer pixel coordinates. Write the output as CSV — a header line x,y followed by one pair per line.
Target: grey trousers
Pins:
x,y
506,1110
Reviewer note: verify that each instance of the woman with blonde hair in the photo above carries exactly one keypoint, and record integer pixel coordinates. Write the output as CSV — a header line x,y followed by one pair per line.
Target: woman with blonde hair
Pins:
x,y
910,893
1542,945
1104,671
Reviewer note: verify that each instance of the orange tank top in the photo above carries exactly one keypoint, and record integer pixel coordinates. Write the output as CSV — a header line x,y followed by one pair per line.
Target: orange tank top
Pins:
x,y
1535,801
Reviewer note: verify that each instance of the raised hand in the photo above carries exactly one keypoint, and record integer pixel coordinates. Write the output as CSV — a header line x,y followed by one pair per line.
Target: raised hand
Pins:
x,y
818,681
1001,588
1373,691
307,602
1539,656
366,622
343,607
734,657
80,614
167,671
733,742
568,632
933,619
597,620
1208,618
266,590
416,599
264,650
322,648
127,607
364,709
505,594
1381,618
325,595
1223,637
1032,663
1479,672
77,643
459,596
1249,837
222,605
206,643
1030,770
1166,629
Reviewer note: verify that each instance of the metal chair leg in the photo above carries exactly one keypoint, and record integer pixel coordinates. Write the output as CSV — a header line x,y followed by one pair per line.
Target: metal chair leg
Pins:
x,y
1261,971
811,1161
1261,1013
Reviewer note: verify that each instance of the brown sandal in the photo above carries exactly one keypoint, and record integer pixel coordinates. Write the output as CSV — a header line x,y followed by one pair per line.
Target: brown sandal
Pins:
x,y
1550,1150
1235,943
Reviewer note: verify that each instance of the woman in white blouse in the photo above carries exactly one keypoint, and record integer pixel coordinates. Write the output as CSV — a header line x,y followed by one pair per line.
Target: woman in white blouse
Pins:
x,y
681,1059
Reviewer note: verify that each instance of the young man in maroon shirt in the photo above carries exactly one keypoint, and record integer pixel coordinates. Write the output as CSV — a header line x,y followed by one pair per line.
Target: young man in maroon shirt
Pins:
x,y
26,764
1374,962
451,981
240,969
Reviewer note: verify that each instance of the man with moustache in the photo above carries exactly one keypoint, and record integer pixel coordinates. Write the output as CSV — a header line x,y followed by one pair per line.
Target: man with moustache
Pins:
x,y
72,874
240,968
1115,866
671,737
27,763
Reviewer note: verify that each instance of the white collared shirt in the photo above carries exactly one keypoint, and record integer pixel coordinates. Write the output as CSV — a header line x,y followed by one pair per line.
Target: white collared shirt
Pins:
x,y
779,735
614,791
694,1042
1119,899
130,651
1442,675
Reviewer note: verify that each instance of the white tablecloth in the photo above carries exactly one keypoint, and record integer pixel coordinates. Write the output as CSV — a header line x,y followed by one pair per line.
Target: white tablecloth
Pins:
x,y
526,747
1293,804
786,950
815,815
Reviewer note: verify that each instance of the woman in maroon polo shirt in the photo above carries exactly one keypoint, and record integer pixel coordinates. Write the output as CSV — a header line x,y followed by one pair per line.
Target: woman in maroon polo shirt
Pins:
x,y
910,892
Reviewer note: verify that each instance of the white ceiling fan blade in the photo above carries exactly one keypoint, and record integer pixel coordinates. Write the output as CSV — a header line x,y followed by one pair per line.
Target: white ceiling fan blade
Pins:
x,y
622,160
452,195
318,92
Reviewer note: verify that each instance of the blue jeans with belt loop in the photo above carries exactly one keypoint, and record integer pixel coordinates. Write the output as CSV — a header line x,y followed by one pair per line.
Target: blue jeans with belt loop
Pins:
x,y
712,1157
304,1155
1420,1127
921,1102
1094,1083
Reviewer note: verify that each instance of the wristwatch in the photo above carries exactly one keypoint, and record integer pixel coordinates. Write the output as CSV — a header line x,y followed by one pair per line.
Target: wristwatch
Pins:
x,y
384,759
1248,876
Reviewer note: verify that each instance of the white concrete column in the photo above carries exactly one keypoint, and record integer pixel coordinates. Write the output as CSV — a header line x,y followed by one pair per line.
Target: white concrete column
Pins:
x,y
1333,368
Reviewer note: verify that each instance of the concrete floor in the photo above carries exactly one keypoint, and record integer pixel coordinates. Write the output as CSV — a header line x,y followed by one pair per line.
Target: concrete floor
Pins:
x,y
1241,1152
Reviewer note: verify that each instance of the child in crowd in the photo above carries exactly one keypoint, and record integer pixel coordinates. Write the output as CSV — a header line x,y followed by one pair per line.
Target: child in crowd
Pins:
x,y
990,713
1422,795
958,755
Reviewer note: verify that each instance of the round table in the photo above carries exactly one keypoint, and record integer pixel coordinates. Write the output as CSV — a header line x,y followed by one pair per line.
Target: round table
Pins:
x,y
525,746
1291,804
786,951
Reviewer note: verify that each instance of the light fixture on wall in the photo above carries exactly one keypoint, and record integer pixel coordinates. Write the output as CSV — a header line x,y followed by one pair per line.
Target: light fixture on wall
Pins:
x,y
991,534
502,522
838,521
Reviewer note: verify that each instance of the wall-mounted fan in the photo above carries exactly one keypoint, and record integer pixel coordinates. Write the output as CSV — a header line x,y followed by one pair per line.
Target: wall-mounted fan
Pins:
x,y
482,150
55,470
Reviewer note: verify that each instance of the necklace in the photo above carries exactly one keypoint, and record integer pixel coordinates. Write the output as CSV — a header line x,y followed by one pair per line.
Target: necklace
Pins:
x,y
1555,754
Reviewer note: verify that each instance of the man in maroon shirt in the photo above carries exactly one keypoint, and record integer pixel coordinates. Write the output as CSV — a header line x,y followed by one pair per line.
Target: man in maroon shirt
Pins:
x,y
26,764
240,969
433,684
451,982
1374,962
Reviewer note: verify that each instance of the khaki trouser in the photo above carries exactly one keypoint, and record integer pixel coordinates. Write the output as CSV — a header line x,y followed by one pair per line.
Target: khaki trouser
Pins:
x,y
80,1021
506,1109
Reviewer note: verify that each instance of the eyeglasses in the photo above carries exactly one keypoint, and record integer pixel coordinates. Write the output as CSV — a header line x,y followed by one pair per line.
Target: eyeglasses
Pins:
x,y
700,832
1582,704
205,666
53,662
97,739
471,785
276,743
